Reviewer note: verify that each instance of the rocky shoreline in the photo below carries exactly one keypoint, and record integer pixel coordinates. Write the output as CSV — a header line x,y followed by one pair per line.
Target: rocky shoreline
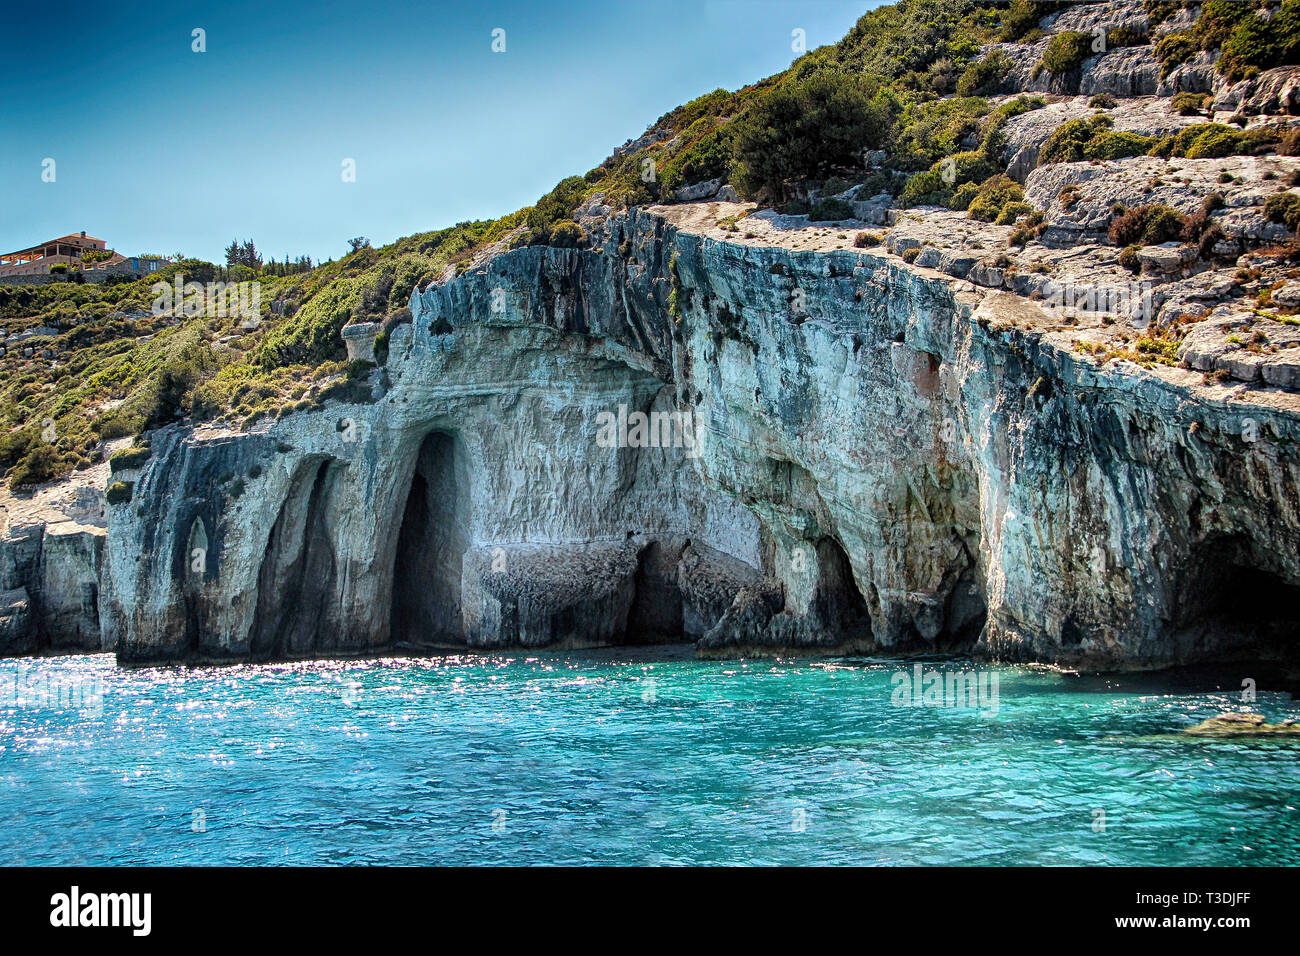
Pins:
x,y
1036,436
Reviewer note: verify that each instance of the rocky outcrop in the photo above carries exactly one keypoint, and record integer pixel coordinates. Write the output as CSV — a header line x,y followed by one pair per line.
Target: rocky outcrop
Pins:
x,y
879,457
1242,725
50,576
739,428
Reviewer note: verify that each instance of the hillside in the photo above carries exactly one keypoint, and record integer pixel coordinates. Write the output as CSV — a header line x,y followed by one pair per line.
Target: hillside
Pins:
x,y
925,89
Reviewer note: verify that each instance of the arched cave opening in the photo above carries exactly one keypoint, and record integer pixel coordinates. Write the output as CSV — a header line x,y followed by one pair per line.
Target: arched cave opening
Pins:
x,y
296,586
1229,608
657,612
838,603
431,545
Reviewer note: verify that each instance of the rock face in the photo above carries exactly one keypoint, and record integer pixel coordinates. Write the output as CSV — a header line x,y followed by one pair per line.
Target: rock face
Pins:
x,y
745,431
49,588
879,456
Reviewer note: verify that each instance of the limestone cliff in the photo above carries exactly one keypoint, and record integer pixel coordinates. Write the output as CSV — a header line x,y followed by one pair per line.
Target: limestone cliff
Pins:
x,y
881,456
766,434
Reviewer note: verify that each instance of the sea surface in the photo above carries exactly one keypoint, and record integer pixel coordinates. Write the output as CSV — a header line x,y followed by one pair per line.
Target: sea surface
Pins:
x,y
630,757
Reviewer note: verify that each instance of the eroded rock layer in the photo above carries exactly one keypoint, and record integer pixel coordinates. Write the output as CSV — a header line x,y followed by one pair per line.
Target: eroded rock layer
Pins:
x,y
849,453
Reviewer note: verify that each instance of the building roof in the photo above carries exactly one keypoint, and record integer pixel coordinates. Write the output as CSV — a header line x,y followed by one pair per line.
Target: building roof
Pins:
x,y
38,250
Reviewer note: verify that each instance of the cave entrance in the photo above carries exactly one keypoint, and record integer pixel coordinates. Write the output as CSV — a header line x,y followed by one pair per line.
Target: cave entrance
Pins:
x,y
431,544
296,587
838,602
1231,609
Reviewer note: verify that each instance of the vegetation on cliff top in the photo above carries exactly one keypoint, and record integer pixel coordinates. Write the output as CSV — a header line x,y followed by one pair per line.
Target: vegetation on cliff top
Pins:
x,y
103,365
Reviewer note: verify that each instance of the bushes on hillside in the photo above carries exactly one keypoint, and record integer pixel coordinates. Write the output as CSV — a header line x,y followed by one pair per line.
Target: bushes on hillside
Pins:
x,y
178,375
803,132
312,335
1191,104
550,219
708,157
1022,19
995,193
986,76
945,182
1066,51
1283,208
1091,138
1247,43
40,464
1215,140
1256,44
1147,226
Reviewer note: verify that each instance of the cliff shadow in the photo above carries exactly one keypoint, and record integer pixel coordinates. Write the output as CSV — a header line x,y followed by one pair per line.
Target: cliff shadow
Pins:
x,y
431,543
297,583
838,604
1230,606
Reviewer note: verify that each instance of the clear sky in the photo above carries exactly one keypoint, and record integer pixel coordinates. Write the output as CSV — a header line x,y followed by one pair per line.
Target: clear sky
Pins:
x,y
161,149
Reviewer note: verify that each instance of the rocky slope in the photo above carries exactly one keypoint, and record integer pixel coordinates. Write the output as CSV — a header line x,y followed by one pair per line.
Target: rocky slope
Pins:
x,y
937,442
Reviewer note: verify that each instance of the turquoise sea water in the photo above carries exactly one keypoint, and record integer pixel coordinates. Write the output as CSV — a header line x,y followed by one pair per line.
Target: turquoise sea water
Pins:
x,y
629,757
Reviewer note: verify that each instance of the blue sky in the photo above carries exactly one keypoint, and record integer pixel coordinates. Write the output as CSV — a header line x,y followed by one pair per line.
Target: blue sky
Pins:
x,y
161,149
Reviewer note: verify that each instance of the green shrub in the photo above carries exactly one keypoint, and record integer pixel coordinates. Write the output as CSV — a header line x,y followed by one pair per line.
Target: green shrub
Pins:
x,y
1247,43
554,211
830,210
986,76
1190,104
116,423
1021,18
1124,36
963,196
1213,144
1110,144
1066,51
358,370
1283,208
927,132
119,492
926,189
707,157
993,194
910,255
864,240
1103,101
1092,138
935,187
1147,225
313,334
1069,140
567,235
1215,140
126,458
1012,211
803,131
40,464
1128,258
1256,44
1174,49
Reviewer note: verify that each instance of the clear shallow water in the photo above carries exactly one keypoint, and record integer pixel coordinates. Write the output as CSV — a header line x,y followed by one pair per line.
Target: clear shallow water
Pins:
x,y
580,758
